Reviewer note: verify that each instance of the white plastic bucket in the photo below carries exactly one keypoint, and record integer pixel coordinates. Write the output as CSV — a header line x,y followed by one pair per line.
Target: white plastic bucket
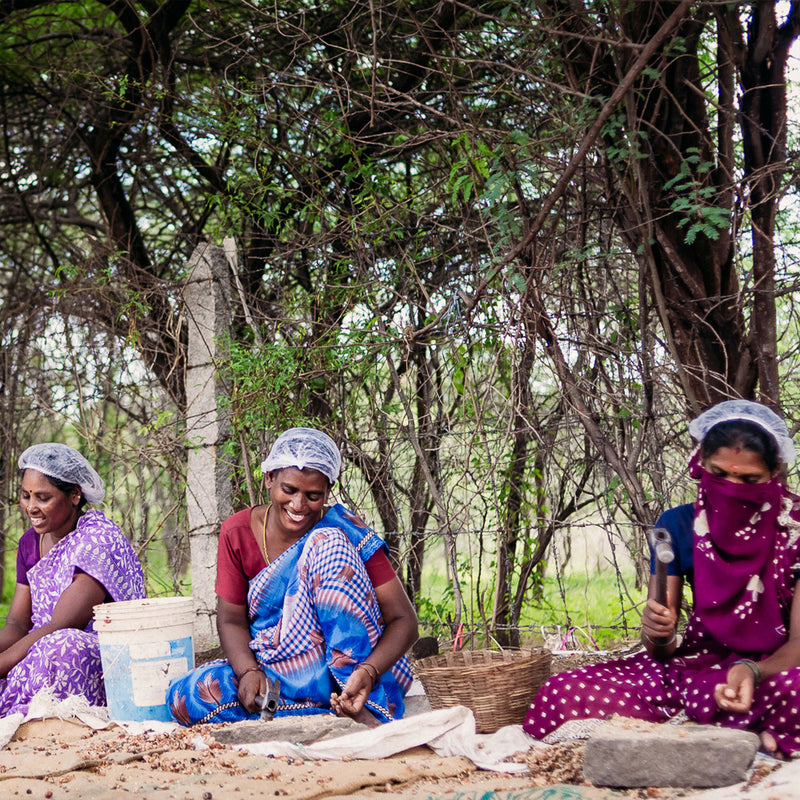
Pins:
x,y
144,644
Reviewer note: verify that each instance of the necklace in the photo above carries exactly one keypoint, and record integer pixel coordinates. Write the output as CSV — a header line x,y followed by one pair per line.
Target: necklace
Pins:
x,y
264,534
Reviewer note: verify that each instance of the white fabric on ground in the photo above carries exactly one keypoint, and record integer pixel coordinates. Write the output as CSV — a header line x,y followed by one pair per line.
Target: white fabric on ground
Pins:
x,y
447,731
43,705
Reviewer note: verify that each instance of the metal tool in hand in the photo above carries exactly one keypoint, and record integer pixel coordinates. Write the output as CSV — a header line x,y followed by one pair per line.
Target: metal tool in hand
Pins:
x,y
661,543
270,700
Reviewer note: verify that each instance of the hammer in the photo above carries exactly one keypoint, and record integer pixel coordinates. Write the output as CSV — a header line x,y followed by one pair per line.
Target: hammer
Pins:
x,y
661,544
270,701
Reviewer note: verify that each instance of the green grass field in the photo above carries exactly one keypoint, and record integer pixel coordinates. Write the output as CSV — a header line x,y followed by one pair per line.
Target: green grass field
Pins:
x,y
592,605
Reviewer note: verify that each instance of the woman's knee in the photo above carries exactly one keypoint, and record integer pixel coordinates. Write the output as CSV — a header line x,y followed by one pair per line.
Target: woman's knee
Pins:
x,y
64,646
206,694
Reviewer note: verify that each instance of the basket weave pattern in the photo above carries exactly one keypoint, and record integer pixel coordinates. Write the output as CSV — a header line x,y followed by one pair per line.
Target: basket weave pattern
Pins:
x,y
497,685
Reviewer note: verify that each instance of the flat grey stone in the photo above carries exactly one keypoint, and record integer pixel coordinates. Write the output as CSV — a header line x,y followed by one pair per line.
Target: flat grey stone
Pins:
x,y
299,730
303,729
630,753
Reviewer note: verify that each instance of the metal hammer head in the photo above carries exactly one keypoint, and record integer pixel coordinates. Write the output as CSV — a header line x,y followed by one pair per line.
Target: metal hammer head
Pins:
x,y
271,699
661,542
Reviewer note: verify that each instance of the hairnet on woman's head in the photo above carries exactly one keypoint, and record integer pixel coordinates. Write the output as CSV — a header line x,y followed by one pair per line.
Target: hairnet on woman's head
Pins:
x,y
304,448
64,463
749,411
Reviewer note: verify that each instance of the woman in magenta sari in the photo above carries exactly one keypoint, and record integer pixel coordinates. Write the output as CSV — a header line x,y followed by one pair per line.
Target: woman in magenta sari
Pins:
x,y
68,561
738,546
306,601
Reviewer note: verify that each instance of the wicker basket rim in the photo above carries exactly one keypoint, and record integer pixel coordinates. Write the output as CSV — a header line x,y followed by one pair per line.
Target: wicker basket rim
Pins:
x,y
508,651
521,657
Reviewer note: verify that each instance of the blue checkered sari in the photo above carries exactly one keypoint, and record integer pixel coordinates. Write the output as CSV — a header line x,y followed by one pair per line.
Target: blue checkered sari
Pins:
x,y
313,618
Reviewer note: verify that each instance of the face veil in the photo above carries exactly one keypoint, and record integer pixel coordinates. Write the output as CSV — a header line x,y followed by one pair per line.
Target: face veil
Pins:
x,y
741,562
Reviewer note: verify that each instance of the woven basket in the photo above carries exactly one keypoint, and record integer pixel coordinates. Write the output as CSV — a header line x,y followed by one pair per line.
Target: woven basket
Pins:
x,y
497,685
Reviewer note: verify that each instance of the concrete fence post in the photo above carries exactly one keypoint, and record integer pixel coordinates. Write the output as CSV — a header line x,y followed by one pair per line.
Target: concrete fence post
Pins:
x,y
208,477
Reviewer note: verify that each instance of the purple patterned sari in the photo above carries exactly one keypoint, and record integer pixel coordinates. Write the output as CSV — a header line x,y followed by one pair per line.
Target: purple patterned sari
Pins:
x,y
67,661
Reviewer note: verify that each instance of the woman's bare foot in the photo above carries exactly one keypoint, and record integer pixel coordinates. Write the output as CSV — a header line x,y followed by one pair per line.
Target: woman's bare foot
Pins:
x,y
770,746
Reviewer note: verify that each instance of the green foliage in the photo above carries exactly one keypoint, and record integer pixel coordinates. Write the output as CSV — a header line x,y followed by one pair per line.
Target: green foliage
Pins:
x,y
693,196
268,387
623,144
590,602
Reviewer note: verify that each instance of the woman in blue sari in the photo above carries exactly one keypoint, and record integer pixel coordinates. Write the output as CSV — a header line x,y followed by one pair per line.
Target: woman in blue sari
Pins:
x,y
307,600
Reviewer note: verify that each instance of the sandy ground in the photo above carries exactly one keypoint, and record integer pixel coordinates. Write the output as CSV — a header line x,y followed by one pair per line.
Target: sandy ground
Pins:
x,y
55,758
65,759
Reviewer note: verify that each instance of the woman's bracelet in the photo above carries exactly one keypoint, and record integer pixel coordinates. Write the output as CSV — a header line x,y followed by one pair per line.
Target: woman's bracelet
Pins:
x,y
754,668
368,667
661,644
249,669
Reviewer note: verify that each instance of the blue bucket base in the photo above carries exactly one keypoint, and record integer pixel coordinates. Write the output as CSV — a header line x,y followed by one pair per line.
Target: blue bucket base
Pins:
x,y
137,677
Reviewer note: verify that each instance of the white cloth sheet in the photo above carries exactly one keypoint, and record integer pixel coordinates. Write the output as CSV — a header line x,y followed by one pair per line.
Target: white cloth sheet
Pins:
x,y
447,731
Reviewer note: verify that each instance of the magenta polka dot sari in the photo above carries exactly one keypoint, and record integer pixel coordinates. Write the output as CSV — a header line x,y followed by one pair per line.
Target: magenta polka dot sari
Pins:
x,y
746,559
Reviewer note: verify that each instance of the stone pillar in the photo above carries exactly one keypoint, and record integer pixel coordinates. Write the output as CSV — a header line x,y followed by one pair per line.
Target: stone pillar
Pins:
x,y
208,479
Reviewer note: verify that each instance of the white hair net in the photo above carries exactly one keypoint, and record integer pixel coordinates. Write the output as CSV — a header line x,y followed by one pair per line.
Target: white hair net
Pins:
x,y
747,410
304,448
66,464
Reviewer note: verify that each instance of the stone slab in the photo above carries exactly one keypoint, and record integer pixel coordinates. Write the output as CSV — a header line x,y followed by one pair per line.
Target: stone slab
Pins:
x,y
631,753
299,730
303,729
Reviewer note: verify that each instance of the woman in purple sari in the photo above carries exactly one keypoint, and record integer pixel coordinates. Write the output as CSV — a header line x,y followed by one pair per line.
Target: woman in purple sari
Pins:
x,y
68,561
738,662
308,606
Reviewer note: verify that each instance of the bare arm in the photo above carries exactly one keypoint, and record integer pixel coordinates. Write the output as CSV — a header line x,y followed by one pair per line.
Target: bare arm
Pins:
x,y
234,636
736,694
660,622
18,621
400,633
73,610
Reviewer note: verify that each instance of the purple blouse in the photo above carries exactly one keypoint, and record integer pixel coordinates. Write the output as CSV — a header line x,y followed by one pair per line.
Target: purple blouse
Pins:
x,y
27,554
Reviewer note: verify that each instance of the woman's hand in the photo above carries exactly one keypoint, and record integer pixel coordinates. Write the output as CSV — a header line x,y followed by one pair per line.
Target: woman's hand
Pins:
x,y
351,702
660,622
252,685
737,694
399,633
355,693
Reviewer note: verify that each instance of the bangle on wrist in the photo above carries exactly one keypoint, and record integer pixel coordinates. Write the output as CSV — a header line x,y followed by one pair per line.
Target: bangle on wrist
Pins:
x,y
373,677
753,667
661,644
249,669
